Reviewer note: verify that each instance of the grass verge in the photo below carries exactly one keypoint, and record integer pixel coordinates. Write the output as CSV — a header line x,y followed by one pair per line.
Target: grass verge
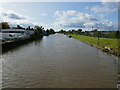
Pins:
x,y
108,45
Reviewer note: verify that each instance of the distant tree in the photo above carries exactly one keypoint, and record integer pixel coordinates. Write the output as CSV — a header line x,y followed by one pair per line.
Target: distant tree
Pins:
x,y
32,29
47,31
117,35
79,30
5,25
38,32
61,31
86,33
28,28
69,31
95,30
73,31
38,29
52,31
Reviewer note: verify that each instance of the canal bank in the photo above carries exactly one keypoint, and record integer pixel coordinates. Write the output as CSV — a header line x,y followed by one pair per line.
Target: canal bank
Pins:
x,y
8,45
110,46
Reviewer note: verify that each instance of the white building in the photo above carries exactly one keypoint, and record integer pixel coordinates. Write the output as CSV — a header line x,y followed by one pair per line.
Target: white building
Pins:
x,y
0,27
28,32
9,34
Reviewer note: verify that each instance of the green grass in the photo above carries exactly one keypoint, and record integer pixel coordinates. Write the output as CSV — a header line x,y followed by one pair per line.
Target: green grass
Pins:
x,y
103,42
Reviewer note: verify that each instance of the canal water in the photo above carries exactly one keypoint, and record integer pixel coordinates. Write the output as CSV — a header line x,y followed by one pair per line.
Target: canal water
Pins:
x,y
57,61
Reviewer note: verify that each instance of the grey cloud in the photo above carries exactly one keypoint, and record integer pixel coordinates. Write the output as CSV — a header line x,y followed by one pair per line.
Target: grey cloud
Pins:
x,y
13,16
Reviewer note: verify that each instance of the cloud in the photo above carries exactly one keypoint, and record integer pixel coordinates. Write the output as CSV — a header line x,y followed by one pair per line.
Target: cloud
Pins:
x,y
101,25
12,15
63,19
14,18
74,19
104,9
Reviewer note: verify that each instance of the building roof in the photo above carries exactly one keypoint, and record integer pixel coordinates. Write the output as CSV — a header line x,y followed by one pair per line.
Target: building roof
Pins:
x,y
7,30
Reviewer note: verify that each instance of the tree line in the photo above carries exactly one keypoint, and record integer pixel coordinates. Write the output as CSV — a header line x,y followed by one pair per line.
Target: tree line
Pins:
x,y
93,33
38,30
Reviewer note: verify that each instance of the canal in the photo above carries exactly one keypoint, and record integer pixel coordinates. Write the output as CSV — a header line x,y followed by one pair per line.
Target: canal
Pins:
x,y
57,61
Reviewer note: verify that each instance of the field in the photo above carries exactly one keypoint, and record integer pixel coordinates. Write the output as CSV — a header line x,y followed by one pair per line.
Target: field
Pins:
x,y
101,43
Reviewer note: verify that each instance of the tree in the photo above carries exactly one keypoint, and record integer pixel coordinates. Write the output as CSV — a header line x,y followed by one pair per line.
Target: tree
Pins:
x,y
73,31
5,25
79,30
29,28
38,29
95,30
117,35
52,31
38,32
61,31
47,31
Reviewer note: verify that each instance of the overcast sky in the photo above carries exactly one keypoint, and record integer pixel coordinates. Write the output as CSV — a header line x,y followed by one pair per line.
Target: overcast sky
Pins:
x,y
61,15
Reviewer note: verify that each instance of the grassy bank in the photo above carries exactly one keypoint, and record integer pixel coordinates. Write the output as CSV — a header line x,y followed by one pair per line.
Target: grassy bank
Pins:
x,y
114,44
